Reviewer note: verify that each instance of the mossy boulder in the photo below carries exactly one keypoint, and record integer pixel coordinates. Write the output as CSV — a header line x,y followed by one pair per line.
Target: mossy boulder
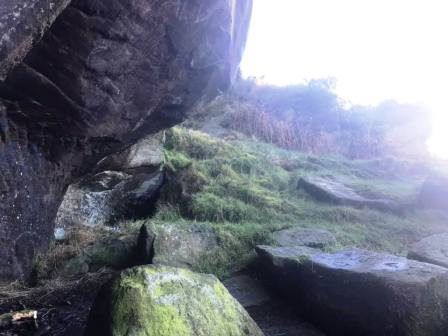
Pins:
x,y
117,253
166,301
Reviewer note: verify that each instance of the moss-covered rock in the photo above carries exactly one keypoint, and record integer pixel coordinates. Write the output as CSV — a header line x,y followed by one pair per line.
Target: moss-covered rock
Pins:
x,y
179,246
117,253
166,301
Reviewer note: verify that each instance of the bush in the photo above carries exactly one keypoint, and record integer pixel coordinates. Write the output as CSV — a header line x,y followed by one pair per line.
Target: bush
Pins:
x,y
311,118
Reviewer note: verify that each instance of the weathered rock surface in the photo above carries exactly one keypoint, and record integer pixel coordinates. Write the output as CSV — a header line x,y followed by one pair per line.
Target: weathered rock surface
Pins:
x,y
103,76
304,237
22,23
335,192
432,249
356,292
248,291
174,245
126,187
160,300
116,253
434,193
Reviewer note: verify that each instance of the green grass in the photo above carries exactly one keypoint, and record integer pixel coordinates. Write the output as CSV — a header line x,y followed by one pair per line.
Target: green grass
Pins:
x,y
247,189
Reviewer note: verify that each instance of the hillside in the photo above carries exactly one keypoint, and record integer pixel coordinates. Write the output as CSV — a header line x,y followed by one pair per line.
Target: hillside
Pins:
x,y
247,189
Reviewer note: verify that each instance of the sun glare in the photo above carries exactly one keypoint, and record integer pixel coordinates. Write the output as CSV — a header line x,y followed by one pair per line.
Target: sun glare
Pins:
x,y
438,143
376,49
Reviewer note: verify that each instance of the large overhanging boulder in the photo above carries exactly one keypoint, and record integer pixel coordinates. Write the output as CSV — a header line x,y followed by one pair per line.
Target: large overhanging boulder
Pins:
x,y
104,75
22,22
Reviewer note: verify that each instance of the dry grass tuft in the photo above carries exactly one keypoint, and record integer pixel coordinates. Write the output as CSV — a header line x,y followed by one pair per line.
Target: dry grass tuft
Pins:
x,y
78,238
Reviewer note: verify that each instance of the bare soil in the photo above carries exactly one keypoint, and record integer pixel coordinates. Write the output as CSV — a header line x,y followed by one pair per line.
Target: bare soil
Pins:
x,y
62,306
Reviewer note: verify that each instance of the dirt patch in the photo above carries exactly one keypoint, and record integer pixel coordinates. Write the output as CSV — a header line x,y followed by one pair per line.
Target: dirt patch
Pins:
x,y
63,306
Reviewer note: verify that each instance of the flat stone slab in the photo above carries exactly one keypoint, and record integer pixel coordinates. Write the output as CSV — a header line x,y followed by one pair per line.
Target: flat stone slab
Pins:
x,y
432,249
335,192
305,237
248,291
357,292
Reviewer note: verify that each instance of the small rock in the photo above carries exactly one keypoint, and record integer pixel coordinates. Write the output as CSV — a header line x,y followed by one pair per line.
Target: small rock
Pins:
x,y
60,234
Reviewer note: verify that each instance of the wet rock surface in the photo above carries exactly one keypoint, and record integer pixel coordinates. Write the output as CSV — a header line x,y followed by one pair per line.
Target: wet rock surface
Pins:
x,y
432,249
356,292
124,186
335,192
315,238
103,76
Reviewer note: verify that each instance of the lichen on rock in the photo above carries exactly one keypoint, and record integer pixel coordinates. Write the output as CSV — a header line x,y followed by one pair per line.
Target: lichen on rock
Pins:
x,y
165,301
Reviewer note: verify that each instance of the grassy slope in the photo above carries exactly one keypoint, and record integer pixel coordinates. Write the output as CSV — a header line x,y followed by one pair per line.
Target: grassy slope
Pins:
x,y
247,190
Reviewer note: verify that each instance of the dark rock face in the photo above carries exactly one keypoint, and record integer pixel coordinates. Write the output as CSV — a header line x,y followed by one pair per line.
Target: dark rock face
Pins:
x,y
22,23
432,249
105,74
331,191
357,292
434,193
123,186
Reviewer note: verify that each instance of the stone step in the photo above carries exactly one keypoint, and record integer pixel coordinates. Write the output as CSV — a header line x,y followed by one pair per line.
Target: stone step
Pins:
x,y
358,292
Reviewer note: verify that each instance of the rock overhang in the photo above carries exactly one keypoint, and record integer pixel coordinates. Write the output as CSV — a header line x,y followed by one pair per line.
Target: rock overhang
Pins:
x,y
104,75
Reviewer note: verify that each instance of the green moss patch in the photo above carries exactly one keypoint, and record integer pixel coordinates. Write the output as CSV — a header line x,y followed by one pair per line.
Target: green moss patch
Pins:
x,y
166,301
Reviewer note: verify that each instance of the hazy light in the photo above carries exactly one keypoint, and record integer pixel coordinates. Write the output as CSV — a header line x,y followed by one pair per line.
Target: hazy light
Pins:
x,y
377,50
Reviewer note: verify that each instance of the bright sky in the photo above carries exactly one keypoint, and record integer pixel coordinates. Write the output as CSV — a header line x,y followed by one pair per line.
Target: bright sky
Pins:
x,y
377,50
